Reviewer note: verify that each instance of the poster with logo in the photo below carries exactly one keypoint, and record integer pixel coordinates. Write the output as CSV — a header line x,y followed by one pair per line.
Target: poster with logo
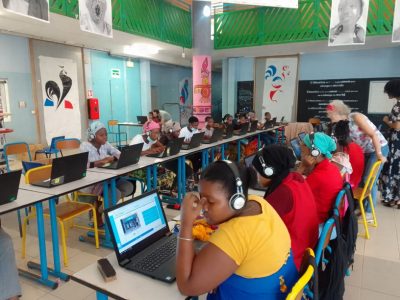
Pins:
x,y
396,23
36,9
95,16
279,93
348,22
59,79
201,87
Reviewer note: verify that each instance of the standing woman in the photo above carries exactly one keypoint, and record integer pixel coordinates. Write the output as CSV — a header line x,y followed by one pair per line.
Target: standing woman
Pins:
x,y
391,180
364,133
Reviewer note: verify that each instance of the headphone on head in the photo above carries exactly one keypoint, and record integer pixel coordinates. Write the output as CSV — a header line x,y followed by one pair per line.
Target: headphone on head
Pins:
x,y
238,199
268,170
315,152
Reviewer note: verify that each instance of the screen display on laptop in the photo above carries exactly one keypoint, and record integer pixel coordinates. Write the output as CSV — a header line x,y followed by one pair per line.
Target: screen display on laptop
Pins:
x,y
135,221
296,147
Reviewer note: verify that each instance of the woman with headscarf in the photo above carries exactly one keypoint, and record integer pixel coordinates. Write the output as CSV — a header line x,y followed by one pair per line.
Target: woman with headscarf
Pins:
x,y
323,176
150,139
289,194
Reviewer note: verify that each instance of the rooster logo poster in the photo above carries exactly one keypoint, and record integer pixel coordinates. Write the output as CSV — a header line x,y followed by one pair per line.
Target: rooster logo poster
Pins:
x,y
60,98
280,86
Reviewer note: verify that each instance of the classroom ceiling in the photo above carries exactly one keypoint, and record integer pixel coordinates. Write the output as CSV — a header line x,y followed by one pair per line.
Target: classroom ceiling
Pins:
x,y
66,30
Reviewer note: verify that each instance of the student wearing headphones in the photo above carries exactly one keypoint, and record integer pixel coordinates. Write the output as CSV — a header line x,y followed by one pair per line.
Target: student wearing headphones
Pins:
x,y
151,144
323,176
188,131
209,129
248,256
290,195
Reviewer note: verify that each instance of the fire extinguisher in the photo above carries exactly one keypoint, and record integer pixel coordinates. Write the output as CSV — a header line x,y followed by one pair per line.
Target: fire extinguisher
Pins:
x,y
93,108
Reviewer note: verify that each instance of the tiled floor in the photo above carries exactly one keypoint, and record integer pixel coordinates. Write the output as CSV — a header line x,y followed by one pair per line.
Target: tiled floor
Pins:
x,y
376,273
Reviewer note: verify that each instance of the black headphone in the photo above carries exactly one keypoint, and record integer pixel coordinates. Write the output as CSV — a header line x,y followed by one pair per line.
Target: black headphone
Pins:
x,y
315,152
268,170
237,200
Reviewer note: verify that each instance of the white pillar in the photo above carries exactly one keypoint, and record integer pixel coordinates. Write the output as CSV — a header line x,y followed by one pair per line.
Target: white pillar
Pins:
x,y
231,99
145,86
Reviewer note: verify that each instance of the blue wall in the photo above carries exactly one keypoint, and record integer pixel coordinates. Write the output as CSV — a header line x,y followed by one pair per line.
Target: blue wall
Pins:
x,y
350,64
119,98
15,67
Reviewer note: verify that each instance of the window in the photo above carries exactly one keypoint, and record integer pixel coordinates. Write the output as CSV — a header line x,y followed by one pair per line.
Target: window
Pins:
x,y
4,101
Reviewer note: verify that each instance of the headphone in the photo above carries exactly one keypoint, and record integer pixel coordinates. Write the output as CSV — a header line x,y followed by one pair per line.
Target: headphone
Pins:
x,y
268,170
91,135
315,152
238,199
333,133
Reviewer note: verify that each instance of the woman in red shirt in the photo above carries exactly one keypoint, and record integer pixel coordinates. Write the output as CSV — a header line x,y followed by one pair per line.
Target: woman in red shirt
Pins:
x,y
341,132
323,177
289,194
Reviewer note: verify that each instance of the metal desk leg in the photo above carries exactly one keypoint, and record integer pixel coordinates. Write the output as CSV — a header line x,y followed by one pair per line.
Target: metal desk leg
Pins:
x,y
148,178
204,159
106,241
238,150
258,141
223,151
183,178
276,136
155,183
179,175
101,296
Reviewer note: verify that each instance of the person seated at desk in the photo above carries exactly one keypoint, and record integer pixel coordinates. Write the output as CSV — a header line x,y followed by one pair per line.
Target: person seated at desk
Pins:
x,y
248,256
209,129
151,144
9,281
149,119
188,131
290,195
267,138
323,176
238,122
102,153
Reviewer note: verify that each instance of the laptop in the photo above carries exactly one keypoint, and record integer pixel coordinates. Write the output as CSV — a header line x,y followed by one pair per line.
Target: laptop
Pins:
x,y
253,126
66,169
173,148
301,136
142,240
194,142
9,183
243,129
270,123
216,136
295,145
248,160
130,155
141,119
228,132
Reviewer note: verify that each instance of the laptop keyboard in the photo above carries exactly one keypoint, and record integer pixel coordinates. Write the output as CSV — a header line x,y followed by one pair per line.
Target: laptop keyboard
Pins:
x,y
159,256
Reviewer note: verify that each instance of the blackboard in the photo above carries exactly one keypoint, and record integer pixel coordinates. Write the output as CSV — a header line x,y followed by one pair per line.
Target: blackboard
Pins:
x,y
245,92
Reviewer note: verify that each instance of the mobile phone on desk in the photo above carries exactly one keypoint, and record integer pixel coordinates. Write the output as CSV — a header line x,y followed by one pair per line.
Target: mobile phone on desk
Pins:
x,y
106,269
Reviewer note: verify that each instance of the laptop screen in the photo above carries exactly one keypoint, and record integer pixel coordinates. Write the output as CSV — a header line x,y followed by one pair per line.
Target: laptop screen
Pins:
x,y
134,221
296,147
249,160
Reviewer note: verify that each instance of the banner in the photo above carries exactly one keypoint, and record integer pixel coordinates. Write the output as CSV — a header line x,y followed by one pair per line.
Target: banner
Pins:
x,y
396,23
59,79
280,86
201,87
36,9
95,16
348,22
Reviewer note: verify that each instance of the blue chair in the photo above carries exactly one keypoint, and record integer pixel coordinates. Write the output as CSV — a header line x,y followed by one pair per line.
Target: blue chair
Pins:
x,y
48,151
324,239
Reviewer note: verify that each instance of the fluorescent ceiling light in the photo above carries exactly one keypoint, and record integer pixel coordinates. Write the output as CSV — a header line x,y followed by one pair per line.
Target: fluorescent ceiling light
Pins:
x,y
141,49
275,3
206,11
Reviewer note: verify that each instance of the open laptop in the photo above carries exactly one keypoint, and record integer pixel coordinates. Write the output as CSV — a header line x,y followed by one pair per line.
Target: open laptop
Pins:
x,y
66,169
216,136
301,136
130,155
248,160
173,148
142,240
295,145
141,119
228,132
9,183
194,142
253,126
242,130
270,123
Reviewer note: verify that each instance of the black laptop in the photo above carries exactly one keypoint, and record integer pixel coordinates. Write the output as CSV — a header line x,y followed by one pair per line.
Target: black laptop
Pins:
x,y
253,126
173,147
295,145
216,136
9,183
130,155
141,119
142,240
243,129
194,142
270,123
66,169
228,132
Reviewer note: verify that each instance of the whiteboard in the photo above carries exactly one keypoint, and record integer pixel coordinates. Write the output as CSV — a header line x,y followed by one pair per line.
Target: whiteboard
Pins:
x,y
379,102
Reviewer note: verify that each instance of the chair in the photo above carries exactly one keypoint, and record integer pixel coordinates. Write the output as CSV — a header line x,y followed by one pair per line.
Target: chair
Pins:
x,y
65,211
307,270
324,239
362,193
67,144
48,151
111,124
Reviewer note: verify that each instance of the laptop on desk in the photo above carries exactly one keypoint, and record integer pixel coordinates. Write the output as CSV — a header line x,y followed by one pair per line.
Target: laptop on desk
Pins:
x,y
9,183
173,147
65,169
216,136
243,129
141,119
130,155
270,123
194,142
142,240
228,132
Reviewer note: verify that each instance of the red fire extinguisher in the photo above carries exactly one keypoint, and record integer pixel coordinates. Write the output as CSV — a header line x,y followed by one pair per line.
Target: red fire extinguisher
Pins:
x,y
93,108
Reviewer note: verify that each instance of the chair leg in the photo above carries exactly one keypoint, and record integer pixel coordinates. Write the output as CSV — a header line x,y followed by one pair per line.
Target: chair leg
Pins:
x,y
19,222
63,243
371,204
96,230
364,219
23,250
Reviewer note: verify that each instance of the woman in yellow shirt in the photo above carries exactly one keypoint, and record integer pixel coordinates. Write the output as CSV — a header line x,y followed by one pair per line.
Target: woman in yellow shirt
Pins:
x,y
249,256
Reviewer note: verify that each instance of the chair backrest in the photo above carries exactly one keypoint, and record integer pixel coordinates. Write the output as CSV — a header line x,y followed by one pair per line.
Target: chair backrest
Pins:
x,y
15,149
340,200
38,174
54,141
68,144
324,239
307,270
314,121
112,123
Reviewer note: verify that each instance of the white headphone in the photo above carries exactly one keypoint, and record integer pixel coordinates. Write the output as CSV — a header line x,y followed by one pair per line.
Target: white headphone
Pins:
x,y
315,152
268,170
237,200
